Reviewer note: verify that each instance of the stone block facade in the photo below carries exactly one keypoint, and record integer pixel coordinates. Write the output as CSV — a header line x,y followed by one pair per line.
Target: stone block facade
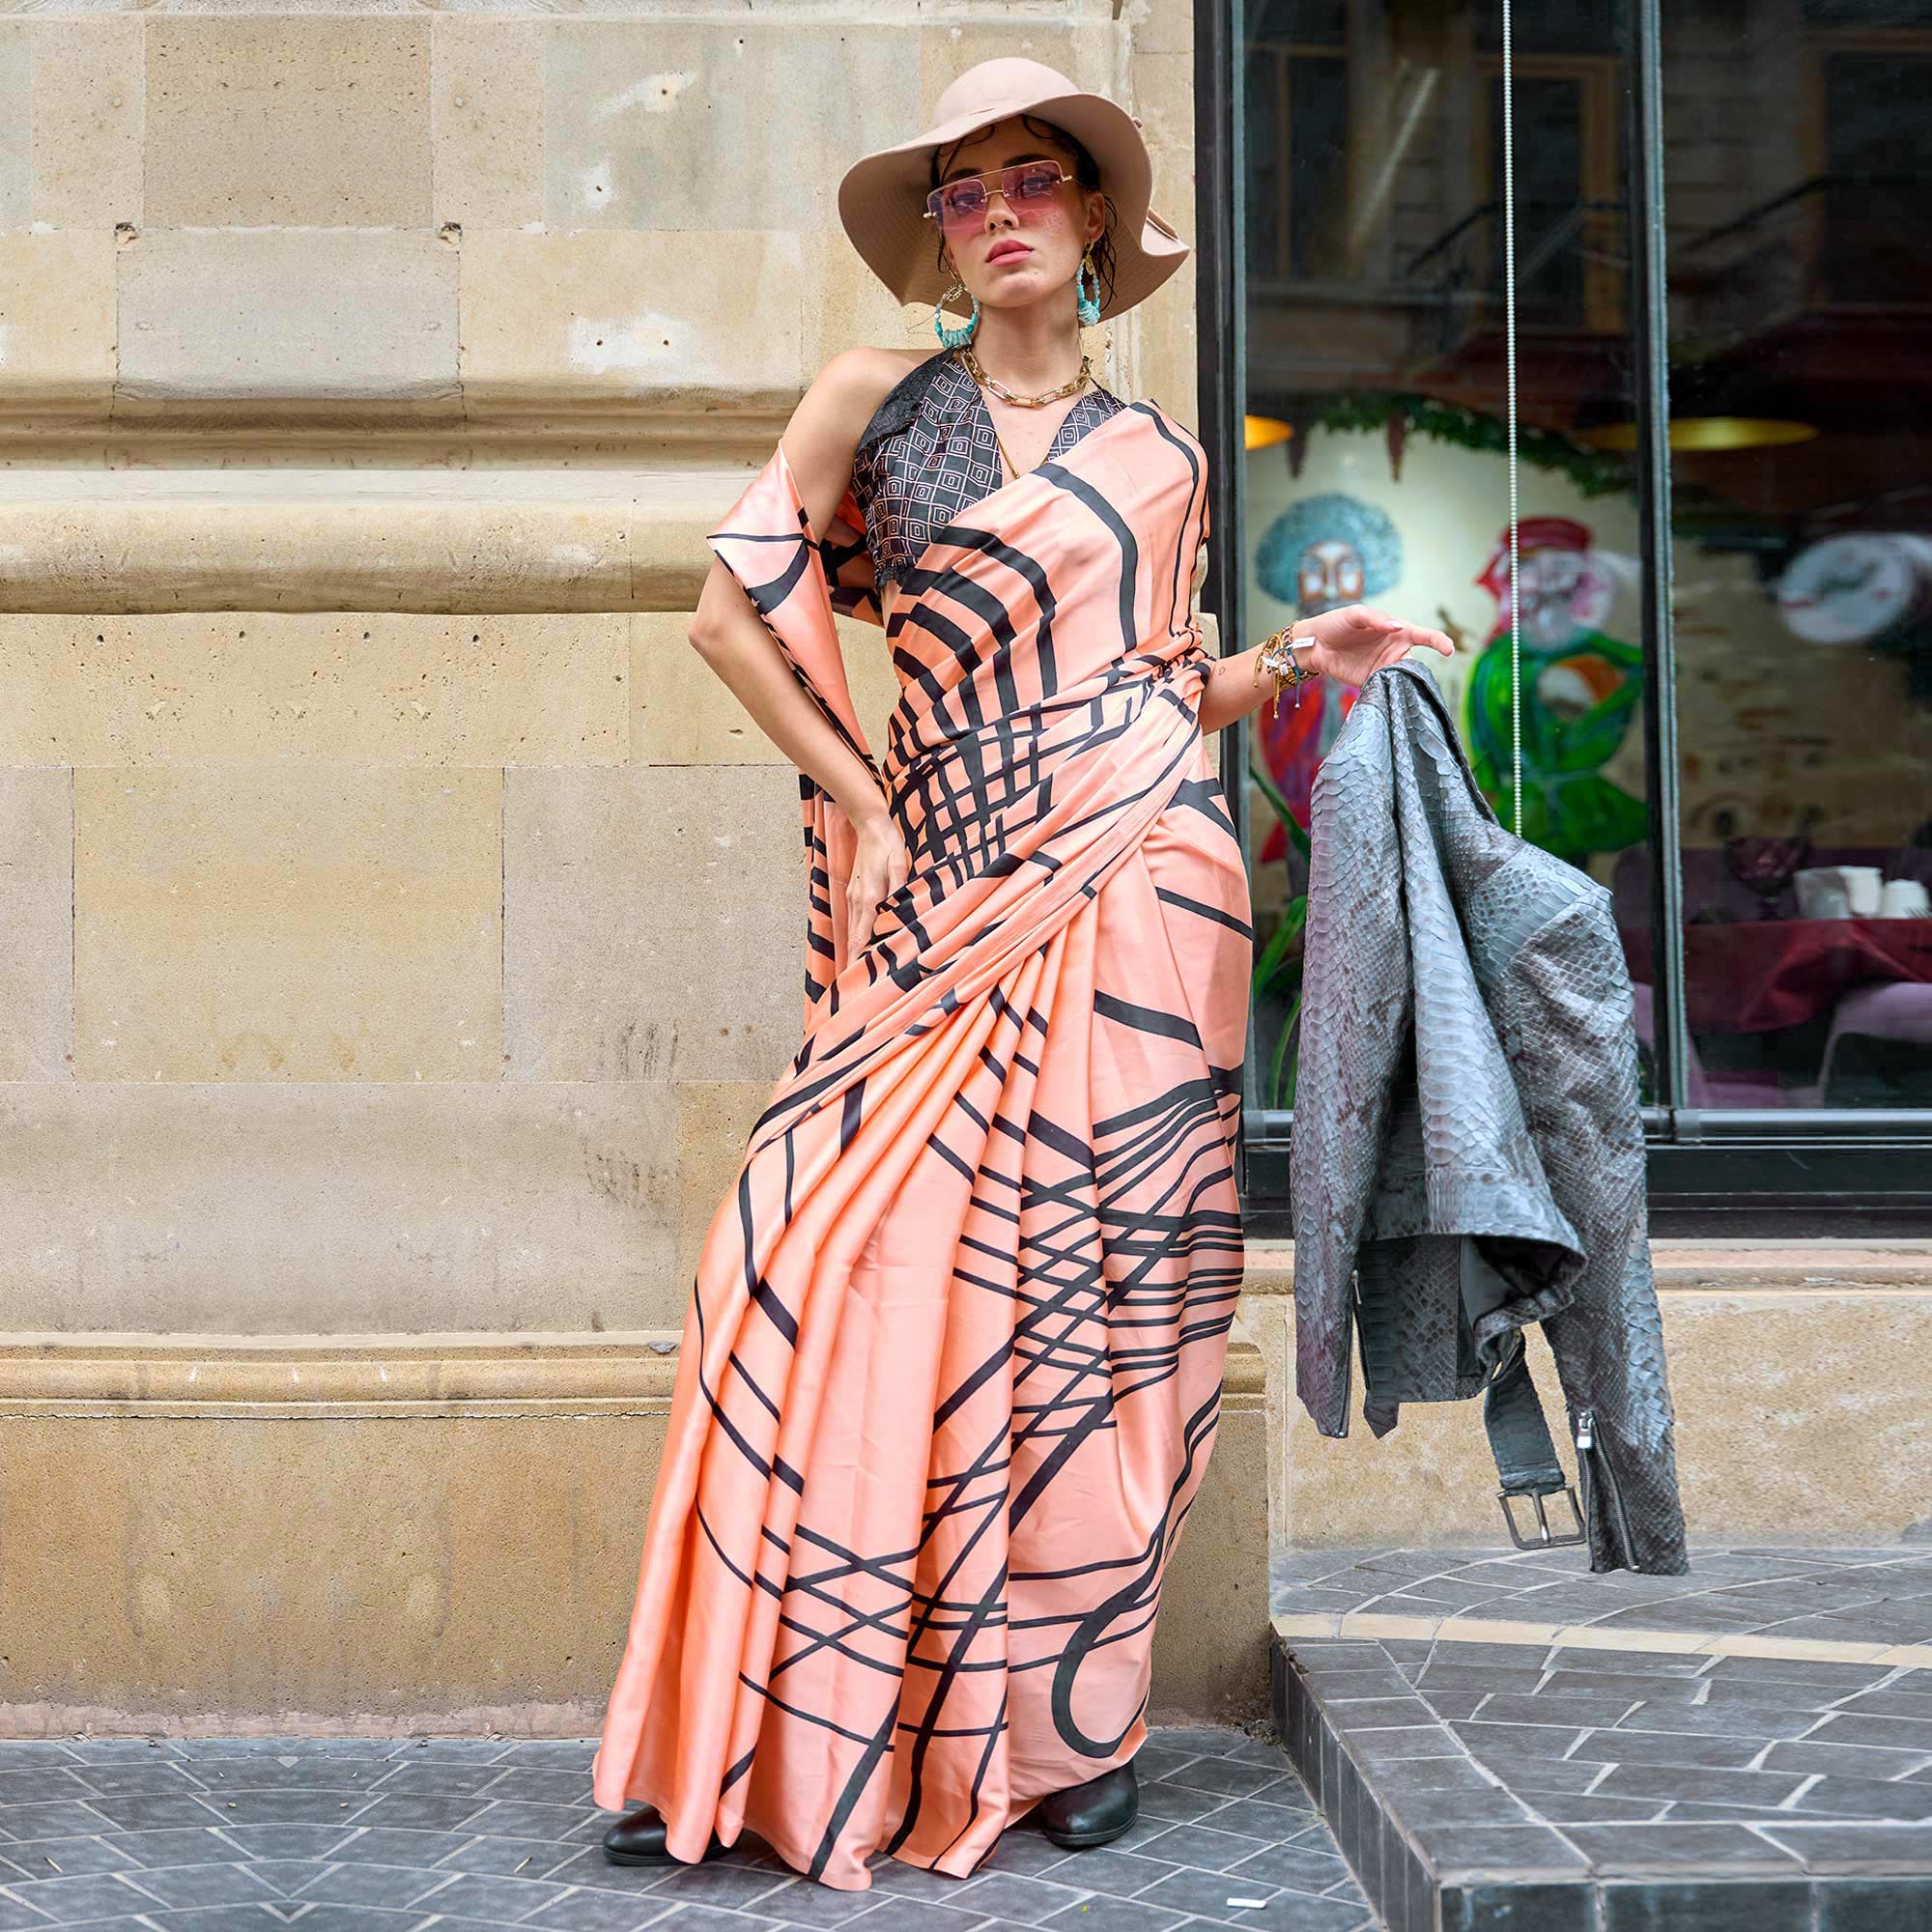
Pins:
x,y
400,927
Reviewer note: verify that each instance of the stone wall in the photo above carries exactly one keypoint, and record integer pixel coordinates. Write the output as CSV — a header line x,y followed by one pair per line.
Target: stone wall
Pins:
x,y
399,924
403,920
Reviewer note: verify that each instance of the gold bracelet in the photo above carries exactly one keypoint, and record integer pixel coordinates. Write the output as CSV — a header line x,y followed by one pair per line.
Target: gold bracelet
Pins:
x,y
1277,658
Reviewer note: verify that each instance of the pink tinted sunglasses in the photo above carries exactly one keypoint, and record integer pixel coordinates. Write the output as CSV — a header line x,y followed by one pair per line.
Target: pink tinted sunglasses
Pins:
x,y
1028,186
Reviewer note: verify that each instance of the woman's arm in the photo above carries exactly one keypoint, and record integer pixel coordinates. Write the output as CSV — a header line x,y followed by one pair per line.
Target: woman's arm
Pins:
x,y
726,629
1348,644
727,632
1233,691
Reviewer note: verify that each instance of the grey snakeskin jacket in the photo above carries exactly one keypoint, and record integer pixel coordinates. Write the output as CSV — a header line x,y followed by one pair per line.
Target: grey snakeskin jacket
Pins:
x,y
1467,1153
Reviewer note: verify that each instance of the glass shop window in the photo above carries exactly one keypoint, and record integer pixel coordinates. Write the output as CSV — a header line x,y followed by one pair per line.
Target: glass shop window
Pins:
x,y
1799,169
1376,429
1797,182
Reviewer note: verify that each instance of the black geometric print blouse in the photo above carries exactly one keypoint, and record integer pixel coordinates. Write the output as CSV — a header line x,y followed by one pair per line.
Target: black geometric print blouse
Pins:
x,y
928,454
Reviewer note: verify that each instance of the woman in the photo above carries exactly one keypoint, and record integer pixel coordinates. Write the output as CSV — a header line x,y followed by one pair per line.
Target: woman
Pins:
x,y
952,1364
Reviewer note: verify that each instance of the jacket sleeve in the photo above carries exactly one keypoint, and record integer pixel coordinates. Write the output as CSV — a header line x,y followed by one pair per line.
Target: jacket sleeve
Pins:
x,y
798,582
1355,1016
1566,1018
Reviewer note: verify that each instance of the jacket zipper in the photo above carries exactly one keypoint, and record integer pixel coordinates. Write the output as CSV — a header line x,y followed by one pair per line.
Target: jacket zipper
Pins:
x,y
1600,1478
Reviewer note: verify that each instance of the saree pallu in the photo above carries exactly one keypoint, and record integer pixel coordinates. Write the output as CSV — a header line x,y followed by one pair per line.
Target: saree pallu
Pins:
x,y
951,1368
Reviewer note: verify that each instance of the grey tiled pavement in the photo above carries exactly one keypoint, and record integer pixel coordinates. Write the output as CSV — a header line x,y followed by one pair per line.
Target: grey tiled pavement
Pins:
x,y
1630,1776
1836,1596
1780,1765
344,1834
1795,1755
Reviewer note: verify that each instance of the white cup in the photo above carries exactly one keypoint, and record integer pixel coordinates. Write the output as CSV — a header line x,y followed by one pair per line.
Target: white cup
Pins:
x,y
1821,893
1838,892
1864,885
1904,898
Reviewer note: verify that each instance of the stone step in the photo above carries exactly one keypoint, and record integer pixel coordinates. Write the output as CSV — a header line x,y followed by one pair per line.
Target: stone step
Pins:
x,y
1649,1752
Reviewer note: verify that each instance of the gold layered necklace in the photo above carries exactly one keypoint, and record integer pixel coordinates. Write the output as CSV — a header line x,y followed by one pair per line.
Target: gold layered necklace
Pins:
x,y
987,383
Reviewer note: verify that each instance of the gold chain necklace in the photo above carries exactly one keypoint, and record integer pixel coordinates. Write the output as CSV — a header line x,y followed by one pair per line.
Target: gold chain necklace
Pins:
x,y
1005,395
985,382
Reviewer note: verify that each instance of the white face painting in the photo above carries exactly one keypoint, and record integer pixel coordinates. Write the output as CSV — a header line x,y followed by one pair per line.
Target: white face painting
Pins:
x,y
1564,592
1330,575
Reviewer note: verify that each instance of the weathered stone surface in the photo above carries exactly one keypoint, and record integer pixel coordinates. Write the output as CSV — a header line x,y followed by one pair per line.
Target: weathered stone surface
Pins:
x,y
268,922
715,1119
1211,1641
485,120
426,970
17,122
226,315
70,121
683,713
253,1207
1165,342
851,305
314,687
89,120
702,124
35,921
465,1552
654,923
630,317
1798,1420
457,541
473,1568
56,331
259,120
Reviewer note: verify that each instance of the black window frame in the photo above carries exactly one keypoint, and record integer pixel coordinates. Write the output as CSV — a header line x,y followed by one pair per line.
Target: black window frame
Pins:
x,y
1720,1172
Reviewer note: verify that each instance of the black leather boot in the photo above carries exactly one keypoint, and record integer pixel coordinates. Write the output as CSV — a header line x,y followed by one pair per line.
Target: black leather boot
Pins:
x,y
1092,1813
638,1838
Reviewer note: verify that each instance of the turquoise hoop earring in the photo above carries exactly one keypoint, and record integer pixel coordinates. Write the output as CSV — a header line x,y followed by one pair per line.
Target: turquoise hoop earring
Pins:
x,y
954,338
1088,306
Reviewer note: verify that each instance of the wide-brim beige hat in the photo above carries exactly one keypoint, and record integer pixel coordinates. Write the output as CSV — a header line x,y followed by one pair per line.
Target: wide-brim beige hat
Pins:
x,y
882,197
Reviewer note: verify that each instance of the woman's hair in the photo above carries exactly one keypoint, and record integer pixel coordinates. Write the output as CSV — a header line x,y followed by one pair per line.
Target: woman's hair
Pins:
x,y
1086,175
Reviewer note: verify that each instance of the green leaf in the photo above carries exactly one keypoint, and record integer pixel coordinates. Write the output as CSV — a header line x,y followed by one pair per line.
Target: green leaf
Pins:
x,y
1280,959
1594,472
1284,1096
1278,805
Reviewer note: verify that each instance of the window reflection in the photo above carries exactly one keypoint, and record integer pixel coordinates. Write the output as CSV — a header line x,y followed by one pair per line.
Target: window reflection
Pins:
x,y
1797,167
1376,337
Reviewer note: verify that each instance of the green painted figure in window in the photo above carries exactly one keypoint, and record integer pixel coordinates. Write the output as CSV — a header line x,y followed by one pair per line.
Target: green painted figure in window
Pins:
x,y
1581,690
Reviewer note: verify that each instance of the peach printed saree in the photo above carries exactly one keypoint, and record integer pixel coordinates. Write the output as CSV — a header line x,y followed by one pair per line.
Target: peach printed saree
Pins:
x,y
952,1366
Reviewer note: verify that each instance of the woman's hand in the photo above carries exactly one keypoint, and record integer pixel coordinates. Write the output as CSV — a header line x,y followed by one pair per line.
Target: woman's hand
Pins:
x,y
879,868
1354,641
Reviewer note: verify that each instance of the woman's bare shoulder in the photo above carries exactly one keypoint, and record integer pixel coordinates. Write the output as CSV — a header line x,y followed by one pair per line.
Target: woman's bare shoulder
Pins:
x,y
850,388
821,440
